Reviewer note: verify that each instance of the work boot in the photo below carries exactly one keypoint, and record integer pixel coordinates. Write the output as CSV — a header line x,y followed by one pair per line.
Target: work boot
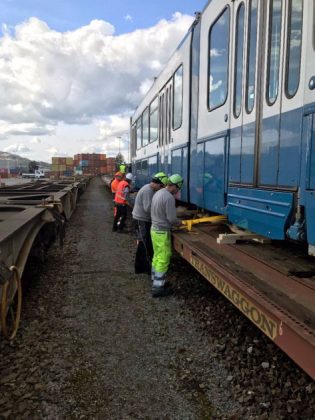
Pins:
x,y
152,273
160,287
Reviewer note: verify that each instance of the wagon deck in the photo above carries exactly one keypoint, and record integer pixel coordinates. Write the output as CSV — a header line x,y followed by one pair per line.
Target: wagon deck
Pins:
x,y
273,285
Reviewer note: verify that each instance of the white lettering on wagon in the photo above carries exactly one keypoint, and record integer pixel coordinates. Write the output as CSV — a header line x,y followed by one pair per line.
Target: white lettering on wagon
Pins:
x,y
260,319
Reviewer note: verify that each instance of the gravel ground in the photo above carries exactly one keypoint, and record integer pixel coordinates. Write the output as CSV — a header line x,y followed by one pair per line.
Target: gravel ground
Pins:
x,y
93,344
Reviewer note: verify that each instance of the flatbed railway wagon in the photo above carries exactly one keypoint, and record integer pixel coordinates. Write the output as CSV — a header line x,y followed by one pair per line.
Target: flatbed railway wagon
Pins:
x,y
31,216
233,112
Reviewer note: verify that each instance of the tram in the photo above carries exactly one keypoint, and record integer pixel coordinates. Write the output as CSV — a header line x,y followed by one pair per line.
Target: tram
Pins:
x,y
233,112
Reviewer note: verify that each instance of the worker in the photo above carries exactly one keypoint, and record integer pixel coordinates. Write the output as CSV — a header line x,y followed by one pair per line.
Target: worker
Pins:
x,y
122,168
115,181
163,216
141,215
121,203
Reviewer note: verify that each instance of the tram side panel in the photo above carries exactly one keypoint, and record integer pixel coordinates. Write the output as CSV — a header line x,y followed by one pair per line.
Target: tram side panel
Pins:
x,y
260,194
248,157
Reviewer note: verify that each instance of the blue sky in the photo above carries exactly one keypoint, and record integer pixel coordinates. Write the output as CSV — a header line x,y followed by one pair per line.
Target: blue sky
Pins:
x,y
74,71
126,16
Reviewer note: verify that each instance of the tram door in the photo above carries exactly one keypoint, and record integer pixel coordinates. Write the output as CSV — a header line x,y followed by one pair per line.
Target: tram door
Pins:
x,y
208,150
244,103
265,129
278,162
270,79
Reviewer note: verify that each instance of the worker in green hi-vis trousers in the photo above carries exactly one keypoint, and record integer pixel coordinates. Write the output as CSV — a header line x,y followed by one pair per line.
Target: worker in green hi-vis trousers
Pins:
x,y
163,216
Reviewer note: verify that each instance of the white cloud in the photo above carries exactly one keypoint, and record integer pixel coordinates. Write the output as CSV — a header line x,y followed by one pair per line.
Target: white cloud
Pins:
x,y
214,86
114,135
128,18
78,77
214,52
55,151
52,151
35,140
18,148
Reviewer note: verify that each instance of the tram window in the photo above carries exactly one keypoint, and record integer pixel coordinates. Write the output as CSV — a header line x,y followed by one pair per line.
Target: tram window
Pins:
x,y
218,61
154,114
239,60
152,162
138,167
160,130
274,50
139,133
170,113
251,61
144,167
167,122
162,120
178,98
133,140
294,47
145,127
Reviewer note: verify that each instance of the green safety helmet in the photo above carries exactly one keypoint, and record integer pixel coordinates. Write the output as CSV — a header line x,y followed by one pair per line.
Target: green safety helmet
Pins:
x,y
160,178
177,180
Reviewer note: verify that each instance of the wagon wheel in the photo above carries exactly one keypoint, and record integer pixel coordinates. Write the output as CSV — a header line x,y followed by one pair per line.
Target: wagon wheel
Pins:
x,y
11,304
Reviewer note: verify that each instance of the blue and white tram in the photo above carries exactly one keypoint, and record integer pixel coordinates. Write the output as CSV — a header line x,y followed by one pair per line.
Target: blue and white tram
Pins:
x,y
160,125
234,113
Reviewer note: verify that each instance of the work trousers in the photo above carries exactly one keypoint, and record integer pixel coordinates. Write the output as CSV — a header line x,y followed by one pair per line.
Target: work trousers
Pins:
x,y
162,250
120,212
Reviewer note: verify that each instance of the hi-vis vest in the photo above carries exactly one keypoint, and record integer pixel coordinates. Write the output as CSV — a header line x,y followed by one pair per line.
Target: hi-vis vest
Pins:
x,y
120,196
114,184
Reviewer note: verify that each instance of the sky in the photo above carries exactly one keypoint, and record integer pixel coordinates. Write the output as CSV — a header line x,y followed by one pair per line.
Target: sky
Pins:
x,y
72,72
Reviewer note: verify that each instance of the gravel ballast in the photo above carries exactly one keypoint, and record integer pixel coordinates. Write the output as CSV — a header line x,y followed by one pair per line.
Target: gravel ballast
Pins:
x,y
94,344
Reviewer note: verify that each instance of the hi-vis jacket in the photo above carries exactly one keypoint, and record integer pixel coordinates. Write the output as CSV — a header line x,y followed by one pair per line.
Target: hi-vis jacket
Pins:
x,y
122,192
114,184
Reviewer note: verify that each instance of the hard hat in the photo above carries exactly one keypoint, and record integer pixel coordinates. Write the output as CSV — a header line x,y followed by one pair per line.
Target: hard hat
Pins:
x,y
119,174
160,178
129,176
177,180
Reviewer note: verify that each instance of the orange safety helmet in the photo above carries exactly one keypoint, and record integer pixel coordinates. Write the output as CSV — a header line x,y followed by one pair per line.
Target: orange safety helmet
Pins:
x,y
118,175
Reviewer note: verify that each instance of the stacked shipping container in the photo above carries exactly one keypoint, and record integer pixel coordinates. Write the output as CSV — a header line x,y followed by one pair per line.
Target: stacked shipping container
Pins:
x,y
91,163
111,165
84,163
62,166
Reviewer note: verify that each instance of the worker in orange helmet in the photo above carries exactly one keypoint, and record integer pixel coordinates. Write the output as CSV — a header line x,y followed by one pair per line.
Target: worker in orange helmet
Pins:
x,y
116,180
